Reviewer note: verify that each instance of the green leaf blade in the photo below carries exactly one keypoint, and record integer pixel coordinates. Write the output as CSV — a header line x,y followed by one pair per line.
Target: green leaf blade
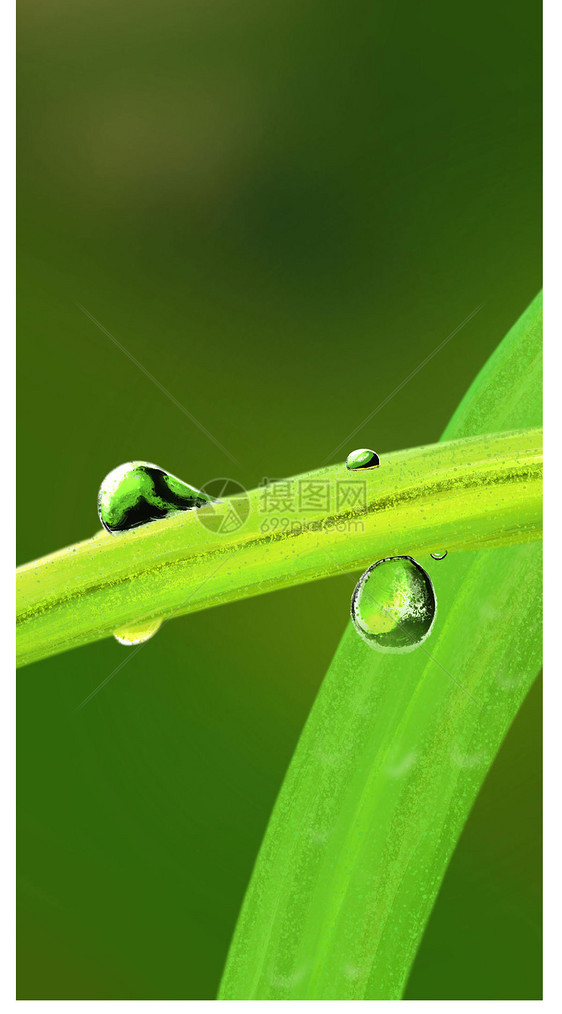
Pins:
x,y
480,490
393,755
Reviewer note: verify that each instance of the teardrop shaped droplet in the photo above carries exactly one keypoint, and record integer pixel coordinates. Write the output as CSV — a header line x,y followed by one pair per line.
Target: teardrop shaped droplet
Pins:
x,y
439,556
362,459
137,634
393,606
138,492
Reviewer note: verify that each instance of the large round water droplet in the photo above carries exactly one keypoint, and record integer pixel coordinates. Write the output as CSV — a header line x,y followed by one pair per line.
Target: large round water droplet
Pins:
x,y
138,492
362,459
137,634
393,606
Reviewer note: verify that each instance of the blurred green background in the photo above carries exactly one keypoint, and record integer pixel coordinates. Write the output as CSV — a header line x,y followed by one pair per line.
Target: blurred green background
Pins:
x,y
280,209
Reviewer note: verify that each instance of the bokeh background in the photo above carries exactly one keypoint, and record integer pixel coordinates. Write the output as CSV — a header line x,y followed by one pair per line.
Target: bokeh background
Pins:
x,y
280,208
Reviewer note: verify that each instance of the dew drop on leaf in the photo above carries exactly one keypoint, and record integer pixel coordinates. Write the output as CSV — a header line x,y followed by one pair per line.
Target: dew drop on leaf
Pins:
x,y
439,556
393,606
137,634
362,459
138,492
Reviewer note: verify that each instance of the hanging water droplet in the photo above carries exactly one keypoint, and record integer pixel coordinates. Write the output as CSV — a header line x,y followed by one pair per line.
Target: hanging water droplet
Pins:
x,y
439,556
393,606
138,492
362,459
137,634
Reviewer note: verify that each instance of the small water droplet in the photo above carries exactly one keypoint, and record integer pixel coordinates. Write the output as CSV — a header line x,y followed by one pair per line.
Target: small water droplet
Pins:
x,y
439,556
137,634
393,606
362,459
138,492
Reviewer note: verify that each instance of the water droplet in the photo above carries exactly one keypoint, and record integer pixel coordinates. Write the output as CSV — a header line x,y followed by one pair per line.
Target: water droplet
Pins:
x,y
137,634
393,606
439,556
362,459
138,492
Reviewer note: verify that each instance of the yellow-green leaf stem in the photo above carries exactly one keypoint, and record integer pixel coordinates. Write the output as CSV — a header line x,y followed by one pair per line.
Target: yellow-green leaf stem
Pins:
x,y
461,494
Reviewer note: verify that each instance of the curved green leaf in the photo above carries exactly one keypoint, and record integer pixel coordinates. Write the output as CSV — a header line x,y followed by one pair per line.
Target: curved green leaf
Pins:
x,y
393,755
